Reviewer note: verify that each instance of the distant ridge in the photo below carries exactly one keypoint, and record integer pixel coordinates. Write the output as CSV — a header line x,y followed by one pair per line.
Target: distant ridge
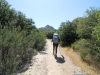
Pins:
x,y
46,28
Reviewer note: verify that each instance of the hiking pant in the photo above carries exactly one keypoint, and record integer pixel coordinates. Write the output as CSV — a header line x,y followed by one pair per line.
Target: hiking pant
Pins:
x,y
55,46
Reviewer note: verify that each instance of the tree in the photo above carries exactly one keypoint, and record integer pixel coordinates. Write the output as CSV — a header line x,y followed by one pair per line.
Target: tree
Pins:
x,y
86,24
19,39
67,33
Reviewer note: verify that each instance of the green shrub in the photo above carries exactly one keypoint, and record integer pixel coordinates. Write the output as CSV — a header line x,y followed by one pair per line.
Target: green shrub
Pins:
x,y
96,44
67,31
49,34
19,39
82,46
40,41
17,48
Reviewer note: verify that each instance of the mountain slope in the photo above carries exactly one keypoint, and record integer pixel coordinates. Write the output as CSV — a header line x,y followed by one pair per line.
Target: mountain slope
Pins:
x,y
46,28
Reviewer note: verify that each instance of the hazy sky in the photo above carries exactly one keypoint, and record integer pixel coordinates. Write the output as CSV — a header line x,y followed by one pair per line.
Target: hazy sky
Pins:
x,y
53,12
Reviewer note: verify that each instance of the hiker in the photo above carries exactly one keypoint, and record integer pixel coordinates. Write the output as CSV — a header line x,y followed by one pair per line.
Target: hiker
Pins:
x,y
55,41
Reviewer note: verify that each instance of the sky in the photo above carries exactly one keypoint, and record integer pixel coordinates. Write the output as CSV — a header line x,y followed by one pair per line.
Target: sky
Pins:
x,y
53,12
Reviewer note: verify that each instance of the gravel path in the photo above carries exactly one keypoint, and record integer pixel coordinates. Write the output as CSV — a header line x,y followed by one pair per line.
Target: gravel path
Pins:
x,y
46,64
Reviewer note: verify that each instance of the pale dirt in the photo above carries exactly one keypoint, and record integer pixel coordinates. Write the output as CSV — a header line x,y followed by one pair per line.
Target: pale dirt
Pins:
x,y
46,64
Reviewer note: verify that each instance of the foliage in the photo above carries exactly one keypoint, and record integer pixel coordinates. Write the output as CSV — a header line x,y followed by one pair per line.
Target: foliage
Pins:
x,y
88,29
86,39
67,33
49,34
82,46
19,39
86,24
48,31
14,48
40,41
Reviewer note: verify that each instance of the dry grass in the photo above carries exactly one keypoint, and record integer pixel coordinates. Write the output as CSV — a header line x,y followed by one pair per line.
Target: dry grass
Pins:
x,y
77,60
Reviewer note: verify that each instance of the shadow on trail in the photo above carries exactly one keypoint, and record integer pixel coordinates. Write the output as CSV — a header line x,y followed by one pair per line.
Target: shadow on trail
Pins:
x,y
60,59
43,52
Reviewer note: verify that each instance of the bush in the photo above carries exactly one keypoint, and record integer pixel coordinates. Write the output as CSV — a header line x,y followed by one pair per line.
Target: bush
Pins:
x,y
67,33
96,38
89,51
82,46
17,48
49,33
40,41
18,39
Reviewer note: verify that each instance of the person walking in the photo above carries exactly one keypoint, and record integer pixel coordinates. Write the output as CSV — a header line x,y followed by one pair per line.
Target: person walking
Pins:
x,y
55,41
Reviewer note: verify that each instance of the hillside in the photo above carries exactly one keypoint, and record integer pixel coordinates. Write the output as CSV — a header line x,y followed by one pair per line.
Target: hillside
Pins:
x,y
46,28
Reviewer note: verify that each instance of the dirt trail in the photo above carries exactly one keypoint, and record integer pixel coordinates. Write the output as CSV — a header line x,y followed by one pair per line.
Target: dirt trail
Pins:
x,y
46,64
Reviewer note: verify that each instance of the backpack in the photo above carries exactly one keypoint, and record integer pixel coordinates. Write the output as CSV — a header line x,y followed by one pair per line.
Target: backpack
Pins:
x,y
55,39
